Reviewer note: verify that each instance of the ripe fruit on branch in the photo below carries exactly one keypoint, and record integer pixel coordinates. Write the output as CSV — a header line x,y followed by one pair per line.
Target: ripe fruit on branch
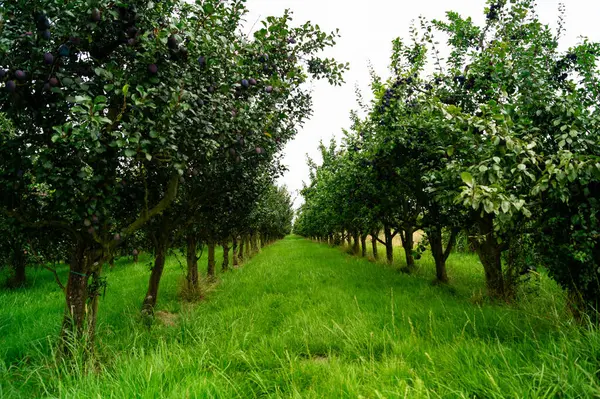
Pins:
x,y
11,86
245,83
53,82
96,15
63,50
20,75
269,89
202,61
153,69
172,42
48,58
252,82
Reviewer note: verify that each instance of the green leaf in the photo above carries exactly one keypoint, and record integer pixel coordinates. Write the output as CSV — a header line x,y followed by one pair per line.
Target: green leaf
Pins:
x,y
130,153
467,178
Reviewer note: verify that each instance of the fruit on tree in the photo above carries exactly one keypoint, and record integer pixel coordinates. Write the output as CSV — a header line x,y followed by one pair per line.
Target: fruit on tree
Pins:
x,y
48,58
11,86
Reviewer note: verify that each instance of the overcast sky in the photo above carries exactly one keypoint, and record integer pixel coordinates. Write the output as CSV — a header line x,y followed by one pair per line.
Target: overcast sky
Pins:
x,y
367,29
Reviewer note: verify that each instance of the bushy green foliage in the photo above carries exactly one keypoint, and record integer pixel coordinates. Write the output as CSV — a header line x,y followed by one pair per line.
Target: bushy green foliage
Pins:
x,y
501,140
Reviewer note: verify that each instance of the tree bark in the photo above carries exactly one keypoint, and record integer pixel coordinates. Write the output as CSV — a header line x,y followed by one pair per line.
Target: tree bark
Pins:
x,y
349,238
363,245
389,245
356,245
439,254
225,265
490,255
76,295
254,242
374,236
210,271
234,254
19,264
151,297
192,262
241,251
408,243
247,253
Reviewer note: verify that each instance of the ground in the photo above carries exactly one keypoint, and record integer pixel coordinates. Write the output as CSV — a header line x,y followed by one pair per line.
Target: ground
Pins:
x,y
305,320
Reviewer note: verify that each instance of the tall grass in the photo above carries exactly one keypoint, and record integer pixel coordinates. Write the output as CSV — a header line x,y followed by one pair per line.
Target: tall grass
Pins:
x,y
307,321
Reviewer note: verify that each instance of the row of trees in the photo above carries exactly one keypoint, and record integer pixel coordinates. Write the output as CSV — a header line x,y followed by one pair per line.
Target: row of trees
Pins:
x,y
152,124
500,139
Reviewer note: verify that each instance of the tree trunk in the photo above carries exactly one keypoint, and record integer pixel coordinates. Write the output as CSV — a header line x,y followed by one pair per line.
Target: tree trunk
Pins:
x,y
225,265
374,236
192,262
363,245
356,246
490,253
160,257
210,271
254,242
389,245
19,264
241,251
408,244
76,295
234,249
111,262
349,238
247,253
437,250
263,240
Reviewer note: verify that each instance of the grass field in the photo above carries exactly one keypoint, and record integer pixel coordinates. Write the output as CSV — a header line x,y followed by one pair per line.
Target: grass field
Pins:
x,y
305,320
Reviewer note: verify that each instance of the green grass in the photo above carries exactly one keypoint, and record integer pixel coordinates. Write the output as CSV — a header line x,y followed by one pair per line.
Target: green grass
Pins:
x,y
305,320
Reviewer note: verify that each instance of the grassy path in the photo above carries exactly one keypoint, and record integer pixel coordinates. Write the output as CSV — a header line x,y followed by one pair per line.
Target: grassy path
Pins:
x,y
307,321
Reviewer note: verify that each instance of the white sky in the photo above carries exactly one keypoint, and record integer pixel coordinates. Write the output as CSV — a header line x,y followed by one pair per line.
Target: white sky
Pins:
x,y
367,29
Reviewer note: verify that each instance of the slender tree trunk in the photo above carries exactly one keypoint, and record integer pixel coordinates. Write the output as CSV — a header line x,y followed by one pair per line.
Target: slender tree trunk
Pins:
x,y
439,254
349,238
19,264
408,244
76,295
356,245
248,253
263,241
156,274
93,296
234,249
363,245
192,262
389,245
254,242
225,265
241,251
374,236
210,271
111,262
490,255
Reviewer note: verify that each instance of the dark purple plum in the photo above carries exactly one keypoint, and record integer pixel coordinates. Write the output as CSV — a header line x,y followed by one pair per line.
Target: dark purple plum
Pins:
x,y
11,86
96,15
153,69
20,75
48,58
